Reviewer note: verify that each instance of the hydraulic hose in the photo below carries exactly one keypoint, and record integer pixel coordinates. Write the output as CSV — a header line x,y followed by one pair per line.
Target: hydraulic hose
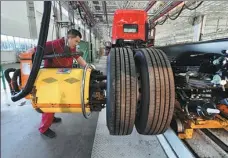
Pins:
x,y
8,79
16,75
39,53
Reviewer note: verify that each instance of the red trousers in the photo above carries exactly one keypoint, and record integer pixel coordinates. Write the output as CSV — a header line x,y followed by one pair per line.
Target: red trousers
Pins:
x,y
46,121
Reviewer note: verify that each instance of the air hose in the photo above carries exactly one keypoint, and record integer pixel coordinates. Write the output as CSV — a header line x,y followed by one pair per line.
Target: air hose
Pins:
x,y
38,55
16,75
8,79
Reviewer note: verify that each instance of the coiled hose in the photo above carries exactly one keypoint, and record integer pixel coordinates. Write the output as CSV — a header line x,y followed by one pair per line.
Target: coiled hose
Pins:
x,y
12,82
8,79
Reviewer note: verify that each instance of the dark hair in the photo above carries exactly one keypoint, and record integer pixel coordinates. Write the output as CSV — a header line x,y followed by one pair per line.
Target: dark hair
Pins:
x,y
74,33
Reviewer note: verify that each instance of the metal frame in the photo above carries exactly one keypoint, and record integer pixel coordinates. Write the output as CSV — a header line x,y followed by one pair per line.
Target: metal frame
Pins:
x,y
83,93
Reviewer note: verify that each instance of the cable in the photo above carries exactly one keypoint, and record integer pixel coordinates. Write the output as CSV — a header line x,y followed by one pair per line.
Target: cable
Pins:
x,y
162,22
194,7
79,11
84,19
177,14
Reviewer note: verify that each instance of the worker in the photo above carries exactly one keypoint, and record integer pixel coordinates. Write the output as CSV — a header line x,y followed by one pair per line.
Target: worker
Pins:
x,y
58,46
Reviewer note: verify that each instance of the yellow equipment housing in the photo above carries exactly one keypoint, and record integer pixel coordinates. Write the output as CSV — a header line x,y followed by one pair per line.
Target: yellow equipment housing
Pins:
x,y
59,90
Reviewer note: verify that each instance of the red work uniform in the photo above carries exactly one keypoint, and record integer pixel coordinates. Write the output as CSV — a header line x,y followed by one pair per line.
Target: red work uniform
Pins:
x,y
56,46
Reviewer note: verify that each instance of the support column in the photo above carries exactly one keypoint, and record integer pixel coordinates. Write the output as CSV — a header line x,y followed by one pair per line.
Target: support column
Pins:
x,y
199,28
71,17
95,46
31,19
56,19
90,46
60,11
84,33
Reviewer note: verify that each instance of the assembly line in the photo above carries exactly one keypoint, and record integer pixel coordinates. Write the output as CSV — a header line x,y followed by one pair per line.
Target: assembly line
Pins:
x,y
137,100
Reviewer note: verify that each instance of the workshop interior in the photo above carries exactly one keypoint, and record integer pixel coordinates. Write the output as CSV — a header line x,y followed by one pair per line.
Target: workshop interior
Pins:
x,y
155,83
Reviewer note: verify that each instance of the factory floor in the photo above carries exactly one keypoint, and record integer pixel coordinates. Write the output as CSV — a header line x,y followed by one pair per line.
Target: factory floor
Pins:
x,y
76,136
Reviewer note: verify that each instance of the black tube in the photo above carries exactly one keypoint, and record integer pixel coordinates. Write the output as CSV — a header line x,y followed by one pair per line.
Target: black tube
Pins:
x,y
100,77
39,53
93,102
100,85
178,14
62,55
8,79
16,75
194,7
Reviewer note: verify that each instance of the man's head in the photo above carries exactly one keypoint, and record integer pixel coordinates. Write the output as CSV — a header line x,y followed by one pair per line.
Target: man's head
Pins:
x,y
73,38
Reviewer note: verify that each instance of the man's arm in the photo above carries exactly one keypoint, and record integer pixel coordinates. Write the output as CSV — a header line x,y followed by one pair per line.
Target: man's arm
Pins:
x,y
81,61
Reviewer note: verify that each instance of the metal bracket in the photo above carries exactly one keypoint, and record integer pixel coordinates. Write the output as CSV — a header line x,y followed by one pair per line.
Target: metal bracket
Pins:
x,y
66,24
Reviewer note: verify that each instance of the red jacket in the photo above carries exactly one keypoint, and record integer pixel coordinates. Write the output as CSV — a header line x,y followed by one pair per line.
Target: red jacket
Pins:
x,y
57,46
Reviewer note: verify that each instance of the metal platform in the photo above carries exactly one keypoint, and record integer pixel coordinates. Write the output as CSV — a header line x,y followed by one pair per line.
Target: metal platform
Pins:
x,y
134,145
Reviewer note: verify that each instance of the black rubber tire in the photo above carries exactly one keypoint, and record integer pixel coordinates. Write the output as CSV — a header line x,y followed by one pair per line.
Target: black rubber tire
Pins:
x,y
121,91
156,105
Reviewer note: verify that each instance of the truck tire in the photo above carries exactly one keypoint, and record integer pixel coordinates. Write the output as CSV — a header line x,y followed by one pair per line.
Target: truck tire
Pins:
x,y
121,91
157,92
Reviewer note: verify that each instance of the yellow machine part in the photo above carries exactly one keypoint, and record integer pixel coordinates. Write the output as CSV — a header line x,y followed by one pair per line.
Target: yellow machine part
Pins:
x,y
59,90
218,122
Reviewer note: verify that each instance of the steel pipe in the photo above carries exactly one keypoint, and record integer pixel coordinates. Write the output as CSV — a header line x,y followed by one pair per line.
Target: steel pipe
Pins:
x,y
150,5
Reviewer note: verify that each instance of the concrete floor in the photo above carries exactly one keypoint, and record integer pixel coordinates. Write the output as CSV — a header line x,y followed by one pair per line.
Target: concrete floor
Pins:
x,y
20,137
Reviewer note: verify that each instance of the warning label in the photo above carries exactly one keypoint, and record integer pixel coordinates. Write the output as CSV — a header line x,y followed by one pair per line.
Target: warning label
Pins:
x,y
63,71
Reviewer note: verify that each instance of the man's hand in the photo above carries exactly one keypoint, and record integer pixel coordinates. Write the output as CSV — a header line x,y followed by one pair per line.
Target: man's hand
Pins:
x,y
89,69
81,62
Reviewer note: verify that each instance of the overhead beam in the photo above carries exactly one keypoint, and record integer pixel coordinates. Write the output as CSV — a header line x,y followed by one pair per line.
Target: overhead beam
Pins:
x,y
111,14
87,11
150,5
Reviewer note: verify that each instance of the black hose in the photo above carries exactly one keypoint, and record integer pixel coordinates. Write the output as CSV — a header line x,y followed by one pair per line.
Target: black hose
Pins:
x,y
39,53
171,18
194,7
16,75
79,11
83,19
8,79
162,22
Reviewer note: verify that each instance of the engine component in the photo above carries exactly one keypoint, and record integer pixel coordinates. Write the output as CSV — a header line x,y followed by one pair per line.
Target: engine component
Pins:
x,y
223,110
201,109
157,91
121,91
97,99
